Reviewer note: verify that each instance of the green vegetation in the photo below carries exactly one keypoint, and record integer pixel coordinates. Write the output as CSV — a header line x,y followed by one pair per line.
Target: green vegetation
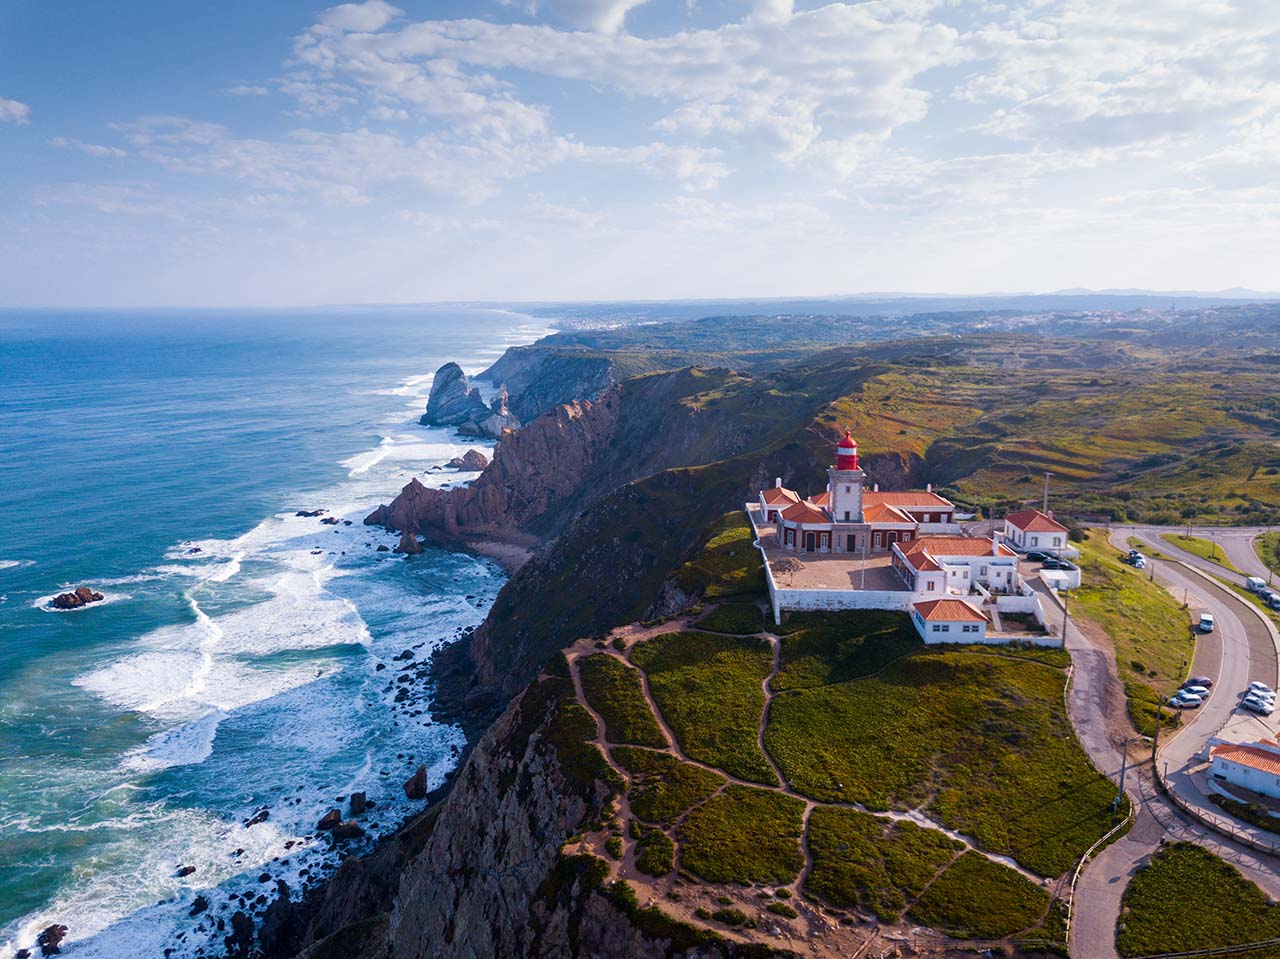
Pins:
x,y
614,691
657,853
740,618
727,564
655,923
1267,546
782,909
1198,546
1186,898
978,898
1249,812
983,740
1145,711
1150,631
663,787
730,916
822,648
743,835
613,846
708,689
863,862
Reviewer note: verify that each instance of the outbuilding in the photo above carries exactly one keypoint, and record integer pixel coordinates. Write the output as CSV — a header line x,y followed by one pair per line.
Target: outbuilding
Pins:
x,y
1029,529
949,621
1252,766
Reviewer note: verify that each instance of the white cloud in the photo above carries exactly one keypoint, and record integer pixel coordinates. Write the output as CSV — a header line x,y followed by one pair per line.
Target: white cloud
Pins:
x,y
602,16
14,111
365,17
93,149
247,90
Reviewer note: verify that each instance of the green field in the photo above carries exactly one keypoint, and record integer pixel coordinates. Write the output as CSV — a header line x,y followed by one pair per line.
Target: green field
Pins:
x,y
1149,629
1198,546
822,648
709,690
727,564
977,898
614,691
663,787
863,862
740,618
743,835
1186,898
983,741
1267,546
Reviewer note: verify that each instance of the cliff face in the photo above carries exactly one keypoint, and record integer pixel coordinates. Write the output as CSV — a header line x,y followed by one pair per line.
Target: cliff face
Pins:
x,y
540,380
483,876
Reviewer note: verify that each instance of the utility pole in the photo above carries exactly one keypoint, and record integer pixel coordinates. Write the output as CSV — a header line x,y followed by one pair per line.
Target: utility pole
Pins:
x,y
1044,504
1155,740
1066,602
1124,765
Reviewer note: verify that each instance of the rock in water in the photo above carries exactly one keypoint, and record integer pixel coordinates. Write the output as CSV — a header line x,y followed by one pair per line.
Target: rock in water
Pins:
x,y
199,905
347,830
453,401
329,820
409,544
240,942
80,596
358,803
470,460
416,786
50,940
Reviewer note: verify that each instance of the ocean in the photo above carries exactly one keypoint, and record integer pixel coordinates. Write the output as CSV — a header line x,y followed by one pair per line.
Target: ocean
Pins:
x,y
244,656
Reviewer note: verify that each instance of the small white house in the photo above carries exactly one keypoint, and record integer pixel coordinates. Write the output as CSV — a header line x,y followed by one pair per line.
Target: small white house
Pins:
x,y
1254,766
949,621
1030,529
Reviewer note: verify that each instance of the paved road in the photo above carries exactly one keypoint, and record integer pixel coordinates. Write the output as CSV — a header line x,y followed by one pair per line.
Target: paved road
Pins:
x,y
1241,648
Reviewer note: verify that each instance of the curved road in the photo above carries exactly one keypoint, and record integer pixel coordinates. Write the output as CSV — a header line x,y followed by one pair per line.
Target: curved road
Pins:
x,y
1243,648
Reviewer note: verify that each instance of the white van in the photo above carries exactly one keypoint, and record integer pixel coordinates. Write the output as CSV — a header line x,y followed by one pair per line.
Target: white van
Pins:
x,y
1206,623
1255,584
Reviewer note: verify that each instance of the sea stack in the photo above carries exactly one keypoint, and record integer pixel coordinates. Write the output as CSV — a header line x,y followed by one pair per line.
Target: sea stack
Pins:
x,y
453,401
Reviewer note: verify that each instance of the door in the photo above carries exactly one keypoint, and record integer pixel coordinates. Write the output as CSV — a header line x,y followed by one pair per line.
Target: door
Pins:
x,y
809,539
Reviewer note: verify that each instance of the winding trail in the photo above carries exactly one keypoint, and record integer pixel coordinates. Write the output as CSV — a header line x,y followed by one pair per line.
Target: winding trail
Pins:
x,y
916,817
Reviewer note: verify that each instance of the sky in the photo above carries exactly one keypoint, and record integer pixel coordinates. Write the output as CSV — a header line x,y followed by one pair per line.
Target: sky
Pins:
x,y
236,153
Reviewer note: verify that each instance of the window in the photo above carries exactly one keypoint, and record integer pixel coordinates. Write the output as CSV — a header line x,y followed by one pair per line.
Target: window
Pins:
x,y
846,516
971,627
929,587
848,489
1035,540
982,571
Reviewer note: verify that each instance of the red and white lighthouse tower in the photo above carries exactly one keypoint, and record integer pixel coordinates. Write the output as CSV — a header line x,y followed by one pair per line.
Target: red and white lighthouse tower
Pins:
x,y
844,481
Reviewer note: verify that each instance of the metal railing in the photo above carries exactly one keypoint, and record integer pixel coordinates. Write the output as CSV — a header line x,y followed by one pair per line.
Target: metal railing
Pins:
x,y
1084,860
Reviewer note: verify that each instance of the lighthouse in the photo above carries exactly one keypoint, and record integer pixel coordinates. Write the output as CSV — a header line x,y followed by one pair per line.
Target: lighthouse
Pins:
x,y
844,482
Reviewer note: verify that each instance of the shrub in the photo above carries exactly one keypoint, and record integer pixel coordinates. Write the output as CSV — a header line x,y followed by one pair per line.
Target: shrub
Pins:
x,y
730,916
739,618
743,835
613,846
614,691
709,691
663,787
978,898
657,853
782,909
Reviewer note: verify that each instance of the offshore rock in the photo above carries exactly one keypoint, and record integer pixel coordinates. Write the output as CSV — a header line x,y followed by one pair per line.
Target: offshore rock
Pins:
x,y
409,544
472,460
416,786
50,940
80,596
453,401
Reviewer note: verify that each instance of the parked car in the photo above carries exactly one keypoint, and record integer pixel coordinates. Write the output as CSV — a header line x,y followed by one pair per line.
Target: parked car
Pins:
x,y
1274,601
1206,623
1035,556
1261,707
1185,700
1052,563
1256,699
1200,681
1140,563
1260,687
1255,584
1201,691
1259,694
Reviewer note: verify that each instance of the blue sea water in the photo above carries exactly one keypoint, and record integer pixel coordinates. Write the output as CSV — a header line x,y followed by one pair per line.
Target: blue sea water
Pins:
x,y
160,458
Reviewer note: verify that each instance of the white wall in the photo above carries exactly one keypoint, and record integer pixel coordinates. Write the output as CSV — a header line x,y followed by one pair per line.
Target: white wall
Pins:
x,y
1260,782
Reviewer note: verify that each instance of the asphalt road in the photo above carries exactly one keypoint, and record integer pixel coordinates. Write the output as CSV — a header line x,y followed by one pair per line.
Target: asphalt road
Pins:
x,y
1242,649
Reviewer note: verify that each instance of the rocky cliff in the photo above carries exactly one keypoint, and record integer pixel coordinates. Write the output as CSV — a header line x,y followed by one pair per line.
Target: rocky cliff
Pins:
x,y
454,402
483,874
539,379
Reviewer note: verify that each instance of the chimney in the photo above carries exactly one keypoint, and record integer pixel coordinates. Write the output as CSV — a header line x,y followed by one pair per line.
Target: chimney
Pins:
x,y
995,543
875,488
928,487
777,483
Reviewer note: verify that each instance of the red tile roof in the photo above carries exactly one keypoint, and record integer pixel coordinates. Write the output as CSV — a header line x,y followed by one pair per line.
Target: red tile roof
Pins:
x,y
779,494
1264,760
953,546
1034,521
822,499
804,513
949,611
911,499
883,513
